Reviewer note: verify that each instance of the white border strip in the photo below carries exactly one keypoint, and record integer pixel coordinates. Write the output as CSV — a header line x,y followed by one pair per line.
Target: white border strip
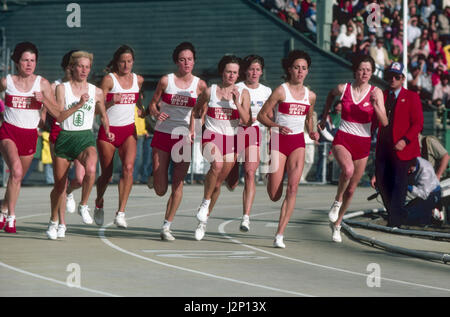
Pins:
x,y
222,231
101,234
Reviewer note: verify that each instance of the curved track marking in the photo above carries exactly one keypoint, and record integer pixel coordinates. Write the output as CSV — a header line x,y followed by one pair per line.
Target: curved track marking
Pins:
x,y
56,281
48,278
222,232
101,233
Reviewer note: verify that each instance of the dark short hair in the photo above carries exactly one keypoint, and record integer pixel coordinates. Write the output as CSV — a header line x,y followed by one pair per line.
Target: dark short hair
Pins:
x,y
181,47
123,49
228,59
250,59
22,48
357,61
247,61
288,61
66,58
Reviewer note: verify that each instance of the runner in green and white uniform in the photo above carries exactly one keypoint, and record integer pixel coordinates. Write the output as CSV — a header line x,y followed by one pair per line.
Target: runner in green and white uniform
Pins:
x,y
79,101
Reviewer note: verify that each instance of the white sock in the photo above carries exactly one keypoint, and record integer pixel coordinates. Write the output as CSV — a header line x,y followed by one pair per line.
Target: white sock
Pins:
x,y
206,202
166,224
279,236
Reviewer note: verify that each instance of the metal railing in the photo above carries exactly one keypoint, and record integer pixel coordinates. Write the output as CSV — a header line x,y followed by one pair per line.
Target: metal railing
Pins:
x,y
322,167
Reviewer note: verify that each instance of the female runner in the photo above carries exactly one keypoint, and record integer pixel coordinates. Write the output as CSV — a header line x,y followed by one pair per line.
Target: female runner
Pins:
x,y
222,106
26,94
176,94
293,104
249,138
121,88
362,108
81,101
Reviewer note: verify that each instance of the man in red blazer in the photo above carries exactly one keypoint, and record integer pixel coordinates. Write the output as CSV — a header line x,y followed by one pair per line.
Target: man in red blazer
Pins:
x,y
397,144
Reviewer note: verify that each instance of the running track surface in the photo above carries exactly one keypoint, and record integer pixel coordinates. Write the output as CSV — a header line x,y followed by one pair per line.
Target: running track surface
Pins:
x,y
108,261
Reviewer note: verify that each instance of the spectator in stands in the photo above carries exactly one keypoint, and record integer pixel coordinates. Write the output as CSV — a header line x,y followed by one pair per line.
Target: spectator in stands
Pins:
x,y
388,39
419,51
441,92
310,18
396,21
278,7
363,46
427,9
433,37
439,54
413,6
358,25
398,40
425,84
423,37
360,9
346,43
384,13
439,71
380,56
414,30
433,24
293,11
384,24
395,55
344,11
372,38
443,23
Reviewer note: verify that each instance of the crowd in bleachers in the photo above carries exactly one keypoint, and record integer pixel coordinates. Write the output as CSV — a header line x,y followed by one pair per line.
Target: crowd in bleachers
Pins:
x,y
357,30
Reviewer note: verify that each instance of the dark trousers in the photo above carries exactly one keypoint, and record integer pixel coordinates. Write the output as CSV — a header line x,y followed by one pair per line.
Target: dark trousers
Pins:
x,y
392,184
419,211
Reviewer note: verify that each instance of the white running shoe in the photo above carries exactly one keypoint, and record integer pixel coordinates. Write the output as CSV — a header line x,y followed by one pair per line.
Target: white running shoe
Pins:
x,y
336,236
200,231
52,231
245,223
166,234
278,242
119,220
202,214
334,211
61,231
83,211
99,216
70,203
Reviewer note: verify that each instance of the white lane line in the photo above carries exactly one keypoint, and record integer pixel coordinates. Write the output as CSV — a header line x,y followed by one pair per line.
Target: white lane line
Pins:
x,y
56,281
223,232
101,233
48,278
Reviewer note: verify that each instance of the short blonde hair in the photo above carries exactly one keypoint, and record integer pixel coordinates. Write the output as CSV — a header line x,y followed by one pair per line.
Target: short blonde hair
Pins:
x,y
79,54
